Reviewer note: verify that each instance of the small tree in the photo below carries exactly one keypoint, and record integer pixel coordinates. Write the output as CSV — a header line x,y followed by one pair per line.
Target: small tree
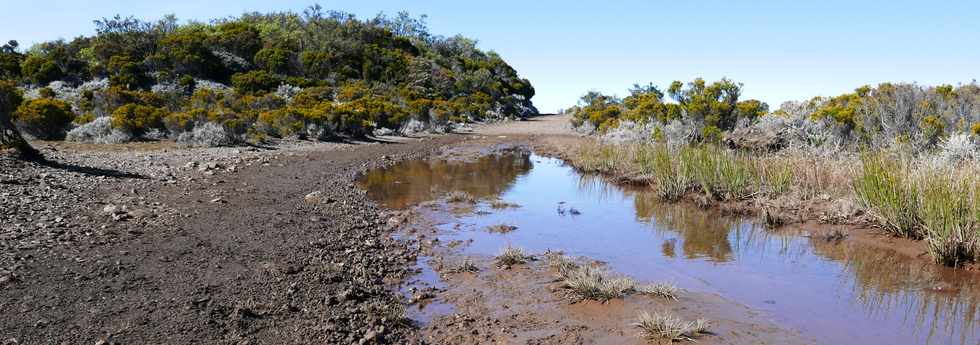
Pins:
x,y
10,99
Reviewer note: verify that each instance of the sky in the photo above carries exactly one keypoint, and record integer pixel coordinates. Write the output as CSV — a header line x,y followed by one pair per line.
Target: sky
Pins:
x,y
779,50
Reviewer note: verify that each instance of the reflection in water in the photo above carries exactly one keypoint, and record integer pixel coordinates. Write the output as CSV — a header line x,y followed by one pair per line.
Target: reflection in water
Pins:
x,y
925,294
412,182
834,292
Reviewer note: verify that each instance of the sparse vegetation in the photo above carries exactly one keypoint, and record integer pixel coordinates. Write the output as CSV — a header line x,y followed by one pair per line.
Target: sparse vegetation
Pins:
x,y
587,282
512,256
663,326
466,266
665,290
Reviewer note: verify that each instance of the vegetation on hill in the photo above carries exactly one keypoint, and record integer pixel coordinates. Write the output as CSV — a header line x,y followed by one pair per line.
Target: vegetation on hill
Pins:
x,y
319,73
923,118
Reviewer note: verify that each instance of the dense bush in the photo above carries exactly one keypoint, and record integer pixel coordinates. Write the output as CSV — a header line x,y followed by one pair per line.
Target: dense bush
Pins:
x,y
713,108
137,119
255,82
273,60
41,71
44,118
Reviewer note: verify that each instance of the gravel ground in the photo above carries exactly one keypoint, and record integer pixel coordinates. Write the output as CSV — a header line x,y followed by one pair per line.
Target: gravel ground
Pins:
x,y
134,244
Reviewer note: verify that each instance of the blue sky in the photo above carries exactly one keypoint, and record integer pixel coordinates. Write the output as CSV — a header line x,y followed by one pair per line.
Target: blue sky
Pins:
x,y
780,50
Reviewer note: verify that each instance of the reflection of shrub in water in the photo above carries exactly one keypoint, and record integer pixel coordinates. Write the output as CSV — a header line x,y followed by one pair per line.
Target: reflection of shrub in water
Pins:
x,y
704,234
931,297
415,181
501,228
460,197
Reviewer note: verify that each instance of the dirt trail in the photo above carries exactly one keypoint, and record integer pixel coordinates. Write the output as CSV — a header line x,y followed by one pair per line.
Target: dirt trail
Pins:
x,y
283,249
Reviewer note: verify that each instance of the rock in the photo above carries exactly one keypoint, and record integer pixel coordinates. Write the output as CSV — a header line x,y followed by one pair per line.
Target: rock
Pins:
x,y
313,197
118,213
755,139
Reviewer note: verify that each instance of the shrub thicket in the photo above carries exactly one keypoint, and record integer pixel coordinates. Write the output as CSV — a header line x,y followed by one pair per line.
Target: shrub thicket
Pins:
x,y
289,73
137,119
44,118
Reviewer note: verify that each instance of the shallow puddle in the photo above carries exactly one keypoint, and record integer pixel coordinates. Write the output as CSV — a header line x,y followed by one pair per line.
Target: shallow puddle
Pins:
x,y
835,292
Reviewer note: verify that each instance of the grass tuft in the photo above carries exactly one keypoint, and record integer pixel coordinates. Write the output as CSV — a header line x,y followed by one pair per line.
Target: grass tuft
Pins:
x,y
665,290
586,282
512,256
466,266
660,326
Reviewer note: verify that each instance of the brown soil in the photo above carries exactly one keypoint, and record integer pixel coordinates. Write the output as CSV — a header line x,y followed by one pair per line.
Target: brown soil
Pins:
x,y
207,256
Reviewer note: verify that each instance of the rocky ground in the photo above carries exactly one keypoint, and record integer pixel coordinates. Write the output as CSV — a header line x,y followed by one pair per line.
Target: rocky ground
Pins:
x,y
154,244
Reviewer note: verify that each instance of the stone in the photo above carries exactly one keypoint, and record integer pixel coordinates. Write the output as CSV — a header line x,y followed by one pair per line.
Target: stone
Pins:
x,y
313,197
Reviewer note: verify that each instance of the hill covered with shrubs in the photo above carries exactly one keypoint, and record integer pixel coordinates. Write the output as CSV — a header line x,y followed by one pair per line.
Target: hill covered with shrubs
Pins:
x,y
317,74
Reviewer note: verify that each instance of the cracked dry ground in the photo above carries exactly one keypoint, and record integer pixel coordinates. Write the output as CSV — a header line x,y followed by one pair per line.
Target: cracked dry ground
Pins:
x,y
244,257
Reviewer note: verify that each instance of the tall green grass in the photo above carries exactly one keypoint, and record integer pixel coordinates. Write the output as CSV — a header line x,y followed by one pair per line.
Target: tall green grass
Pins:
x,y
884,187
949,217
934,204
717,172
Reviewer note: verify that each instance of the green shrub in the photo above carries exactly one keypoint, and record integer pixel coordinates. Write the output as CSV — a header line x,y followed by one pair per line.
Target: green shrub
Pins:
x,y
137,119
187,82
84,118
126,73
44,118
281,123
273,60
255,82
40,70
46,92
180,122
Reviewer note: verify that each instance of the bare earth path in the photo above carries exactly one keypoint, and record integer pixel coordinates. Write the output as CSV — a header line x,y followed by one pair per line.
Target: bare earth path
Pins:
x,y
202,254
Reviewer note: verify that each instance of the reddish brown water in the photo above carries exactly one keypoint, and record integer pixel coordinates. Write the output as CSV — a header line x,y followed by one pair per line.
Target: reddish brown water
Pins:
x,y
835,292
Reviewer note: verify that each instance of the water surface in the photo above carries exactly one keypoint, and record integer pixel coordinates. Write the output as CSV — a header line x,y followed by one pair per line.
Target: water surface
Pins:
x,y
835,292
